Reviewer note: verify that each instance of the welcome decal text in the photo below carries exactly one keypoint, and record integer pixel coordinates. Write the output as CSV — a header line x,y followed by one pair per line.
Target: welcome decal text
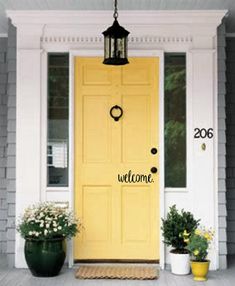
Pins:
x,y
135,178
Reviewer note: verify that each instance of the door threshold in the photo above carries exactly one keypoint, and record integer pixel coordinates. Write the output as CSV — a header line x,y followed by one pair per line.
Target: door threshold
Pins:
x,y
116,261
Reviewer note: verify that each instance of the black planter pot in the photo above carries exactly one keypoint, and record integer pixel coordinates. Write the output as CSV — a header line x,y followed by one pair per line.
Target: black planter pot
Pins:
x,y
45,258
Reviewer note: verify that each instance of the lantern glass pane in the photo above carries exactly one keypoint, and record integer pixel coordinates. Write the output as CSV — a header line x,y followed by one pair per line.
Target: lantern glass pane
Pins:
x,y
113,48
106,48
125,47
120,48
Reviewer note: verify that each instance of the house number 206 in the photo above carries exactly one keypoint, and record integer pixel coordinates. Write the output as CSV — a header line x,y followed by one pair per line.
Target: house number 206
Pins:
x,y
203,133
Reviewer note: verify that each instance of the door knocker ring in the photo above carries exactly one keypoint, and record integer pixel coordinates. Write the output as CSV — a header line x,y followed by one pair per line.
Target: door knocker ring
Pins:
x,y
119,112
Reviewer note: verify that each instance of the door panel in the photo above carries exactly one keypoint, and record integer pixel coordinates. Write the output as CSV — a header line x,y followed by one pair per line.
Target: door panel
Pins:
x,y
135,214
136,127
96,130
120,219
136,74
96,75
100,199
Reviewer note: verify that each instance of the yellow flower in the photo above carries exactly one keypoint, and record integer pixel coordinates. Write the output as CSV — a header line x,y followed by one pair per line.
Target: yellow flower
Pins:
x,y
186,240
197,232
207,236
185,233
196,252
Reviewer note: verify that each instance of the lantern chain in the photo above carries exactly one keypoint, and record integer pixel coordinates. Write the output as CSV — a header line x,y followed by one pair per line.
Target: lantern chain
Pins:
x,y
115,14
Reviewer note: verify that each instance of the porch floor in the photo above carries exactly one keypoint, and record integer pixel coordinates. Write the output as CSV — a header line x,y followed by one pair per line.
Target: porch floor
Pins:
x,y
20,277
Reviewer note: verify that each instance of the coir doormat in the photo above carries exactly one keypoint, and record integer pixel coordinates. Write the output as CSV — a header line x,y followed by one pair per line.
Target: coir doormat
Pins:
x,y
117,272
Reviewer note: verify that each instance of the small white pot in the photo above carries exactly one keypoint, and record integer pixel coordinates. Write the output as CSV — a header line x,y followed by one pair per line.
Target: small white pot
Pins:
x,y
180,263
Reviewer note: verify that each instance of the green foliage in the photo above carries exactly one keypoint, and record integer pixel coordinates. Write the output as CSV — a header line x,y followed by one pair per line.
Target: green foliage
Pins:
x,y
46,221
198,244
175,154
175,78
174,226
175,88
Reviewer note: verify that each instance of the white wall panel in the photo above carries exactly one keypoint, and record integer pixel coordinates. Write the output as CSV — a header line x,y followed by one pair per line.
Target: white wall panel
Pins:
x,y
28,139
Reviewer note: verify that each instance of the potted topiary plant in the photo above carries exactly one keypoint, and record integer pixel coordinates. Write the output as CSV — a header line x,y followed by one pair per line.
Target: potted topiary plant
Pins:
x,y
174,228
45,227
197,244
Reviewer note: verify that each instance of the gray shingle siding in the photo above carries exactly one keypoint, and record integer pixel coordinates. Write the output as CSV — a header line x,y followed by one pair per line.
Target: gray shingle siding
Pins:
x,y
230,120
3,144
11,143
222,147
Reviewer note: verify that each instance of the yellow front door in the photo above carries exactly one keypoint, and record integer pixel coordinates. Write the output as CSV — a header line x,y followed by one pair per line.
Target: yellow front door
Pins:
x,y
116,195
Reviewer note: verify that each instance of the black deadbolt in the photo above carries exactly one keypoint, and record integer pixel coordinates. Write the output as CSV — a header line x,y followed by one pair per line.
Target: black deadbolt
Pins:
x,y
153,170
154,151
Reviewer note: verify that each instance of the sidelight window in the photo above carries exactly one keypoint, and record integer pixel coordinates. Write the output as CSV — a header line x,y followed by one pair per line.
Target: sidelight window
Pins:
x,y
175,120
58,120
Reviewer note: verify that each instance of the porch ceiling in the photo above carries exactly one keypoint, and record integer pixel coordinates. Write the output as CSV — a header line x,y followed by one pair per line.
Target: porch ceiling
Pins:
x,y
123,5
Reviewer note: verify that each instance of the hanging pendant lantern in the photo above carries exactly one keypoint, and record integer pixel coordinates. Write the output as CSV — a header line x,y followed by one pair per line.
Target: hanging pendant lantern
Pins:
x,y
115,42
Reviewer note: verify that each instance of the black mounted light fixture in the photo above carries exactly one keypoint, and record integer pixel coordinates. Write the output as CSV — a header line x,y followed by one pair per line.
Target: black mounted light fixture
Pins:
x,y
115,42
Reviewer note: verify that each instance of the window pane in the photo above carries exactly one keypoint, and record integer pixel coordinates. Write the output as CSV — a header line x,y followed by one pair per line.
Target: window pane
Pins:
x,y
58,115
175,120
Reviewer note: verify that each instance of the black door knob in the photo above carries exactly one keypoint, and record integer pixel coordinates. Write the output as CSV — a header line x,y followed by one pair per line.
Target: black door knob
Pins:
x,y
154,151
153,170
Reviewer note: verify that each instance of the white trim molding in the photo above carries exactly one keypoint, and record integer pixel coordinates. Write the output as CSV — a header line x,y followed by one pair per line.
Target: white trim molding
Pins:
x,y
149,29
132,40
152,33
143,17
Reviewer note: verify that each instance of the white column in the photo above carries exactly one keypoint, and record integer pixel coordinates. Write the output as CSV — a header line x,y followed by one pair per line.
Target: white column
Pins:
x,y
203,187
28,108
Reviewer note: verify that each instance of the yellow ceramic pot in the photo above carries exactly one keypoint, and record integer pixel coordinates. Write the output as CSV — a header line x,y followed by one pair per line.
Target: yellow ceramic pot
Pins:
x,y
200,270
